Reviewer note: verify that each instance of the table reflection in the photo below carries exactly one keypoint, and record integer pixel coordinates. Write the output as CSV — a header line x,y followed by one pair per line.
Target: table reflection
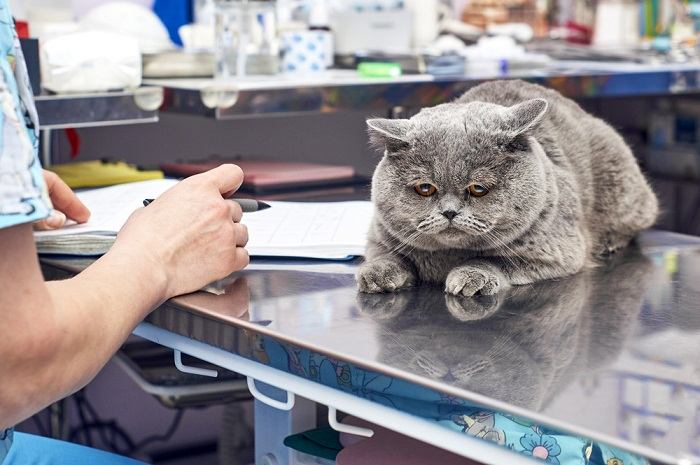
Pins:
x,y
522,346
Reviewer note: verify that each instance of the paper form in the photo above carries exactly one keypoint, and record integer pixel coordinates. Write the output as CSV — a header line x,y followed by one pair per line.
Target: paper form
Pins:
x,y
309,229
326,230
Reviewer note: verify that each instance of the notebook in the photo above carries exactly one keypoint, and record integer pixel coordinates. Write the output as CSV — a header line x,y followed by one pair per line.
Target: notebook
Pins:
x,y
322,230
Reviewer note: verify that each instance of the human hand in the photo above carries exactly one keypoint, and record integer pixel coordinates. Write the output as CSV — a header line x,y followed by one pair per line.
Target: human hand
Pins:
x,y
66,205
190,235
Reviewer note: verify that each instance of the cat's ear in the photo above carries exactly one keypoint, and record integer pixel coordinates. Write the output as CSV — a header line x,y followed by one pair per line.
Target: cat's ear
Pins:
x,y
523,116
389,134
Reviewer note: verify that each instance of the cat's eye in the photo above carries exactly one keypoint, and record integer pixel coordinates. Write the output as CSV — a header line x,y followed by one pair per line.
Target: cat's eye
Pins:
x,y
477,190
425,189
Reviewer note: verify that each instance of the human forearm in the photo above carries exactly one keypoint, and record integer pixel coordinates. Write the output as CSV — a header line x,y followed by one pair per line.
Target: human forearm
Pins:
x,y
55,337
99,308
75,328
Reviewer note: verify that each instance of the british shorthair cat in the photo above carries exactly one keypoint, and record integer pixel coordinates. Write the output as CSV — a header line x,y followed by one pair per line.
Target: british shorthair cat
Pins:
x,y
510,184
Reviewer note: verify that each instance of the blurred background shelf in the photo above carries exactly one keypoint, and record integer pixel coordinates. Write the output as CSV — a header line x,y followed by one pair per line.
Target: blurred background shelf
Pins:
x,y
99,109
343,90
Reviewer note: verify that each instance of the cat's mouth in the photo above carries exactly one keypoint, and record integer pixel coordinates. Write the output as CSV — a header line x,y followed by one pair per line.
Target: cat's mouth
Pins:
x,y
457,233
452,230
440,228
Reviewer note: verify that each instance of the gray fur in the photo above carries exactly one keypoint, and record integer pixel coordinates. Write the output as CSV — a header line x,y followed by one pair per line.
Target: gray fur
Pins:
x,y
564,189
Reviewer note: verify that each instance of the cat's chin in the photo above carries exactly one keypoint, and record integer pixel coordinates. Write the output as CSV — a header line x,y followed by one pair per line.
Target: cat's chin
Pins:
x,y
452,236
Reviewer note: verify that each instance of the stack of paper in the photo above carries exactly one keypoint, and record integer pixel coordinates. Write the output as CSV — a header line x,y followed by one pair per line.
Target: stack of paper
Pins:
x,y
109,207
328,230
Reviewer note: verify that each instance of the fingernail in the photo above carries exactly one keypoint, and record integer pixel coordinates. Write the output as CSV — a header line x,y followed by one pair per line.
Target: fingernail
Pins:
x,y
56,219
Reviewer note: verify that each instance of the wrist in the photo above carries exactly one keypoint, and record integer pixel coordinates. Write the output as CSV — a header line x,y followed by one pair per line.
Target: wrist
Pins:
x,y
139,265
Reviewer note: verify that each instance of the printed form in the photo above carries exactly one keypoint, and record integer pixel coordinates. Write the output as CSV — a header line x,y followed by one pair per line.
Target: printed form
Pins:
x,y
325,230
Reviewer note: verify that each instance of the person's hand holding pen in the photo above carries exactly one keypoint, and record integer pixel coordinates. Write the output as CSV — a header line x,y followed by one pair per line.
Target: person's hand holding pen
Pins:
x,y
189,236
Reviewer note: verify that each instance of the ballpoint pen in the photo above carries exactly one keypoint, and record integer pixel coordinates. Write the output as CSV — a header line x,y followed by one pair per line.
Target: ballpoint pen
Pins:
x,y
247,205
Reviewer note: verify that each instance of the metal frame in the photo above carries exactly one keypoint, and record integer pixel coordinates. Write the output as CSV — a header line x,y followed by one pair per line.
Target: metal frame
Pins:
x,y
99,109
215,386
344,91
410,425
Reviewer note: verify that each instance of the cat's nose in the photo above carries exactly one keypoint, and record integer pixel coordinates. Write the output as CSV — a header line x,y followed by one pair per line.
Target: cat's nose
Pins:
x,y
449,214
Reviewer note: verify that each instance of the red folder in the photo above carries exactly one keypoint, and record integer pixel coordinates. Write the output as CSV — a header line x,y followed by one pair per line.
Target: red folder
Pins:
x,y
269,176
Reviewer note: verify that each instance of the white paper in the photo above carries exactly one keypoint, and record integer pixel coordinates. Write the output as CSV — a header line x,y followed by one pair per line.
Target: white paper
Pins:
x,y
309,229
326,230
110,207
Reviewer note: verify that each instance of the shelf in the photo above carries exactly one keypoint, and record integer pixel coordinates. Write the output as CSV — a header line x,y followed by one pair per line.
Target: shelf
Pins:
x,y
99,109
343,90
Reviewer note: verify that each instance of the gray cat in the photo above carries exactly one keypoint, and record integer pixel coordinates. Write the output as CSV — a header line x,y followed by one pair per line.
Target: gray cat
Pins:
x,y
510,184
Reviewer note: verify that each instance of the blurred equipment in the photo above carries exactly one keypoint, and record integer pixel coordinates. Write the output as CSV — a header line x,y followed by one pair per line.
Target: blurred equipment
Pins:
x,y
372,31
177,63
485,13
130,20
306,51
425,22
616,24
152,367
245,38
30,49
90,61
438,64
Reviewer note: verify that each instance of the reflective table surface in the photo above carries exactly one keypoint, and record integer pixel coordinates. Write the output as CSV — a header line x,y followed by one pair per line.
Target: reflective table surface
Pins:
x,y
612,353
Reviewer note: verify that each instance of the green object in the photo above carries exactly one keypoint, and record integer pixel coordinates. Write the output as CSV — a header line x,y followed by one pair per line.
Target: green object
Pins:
x,y
319,442
379,69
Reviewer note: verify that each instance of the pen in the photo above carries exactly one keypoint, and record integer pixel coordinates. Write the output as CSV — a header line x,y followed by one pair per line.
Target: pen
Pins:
x,y
247,205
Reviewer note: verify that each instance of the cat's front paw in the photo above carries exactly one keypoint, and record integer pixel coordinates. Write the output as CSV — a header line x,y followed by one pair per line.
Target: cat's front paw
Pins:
x,y
472,308
385,306
384,276
470,280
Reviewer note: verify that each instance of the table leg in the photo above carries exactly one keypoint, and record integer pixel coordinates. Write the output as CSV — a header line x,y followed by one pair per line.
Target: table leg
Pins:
x,y
273,425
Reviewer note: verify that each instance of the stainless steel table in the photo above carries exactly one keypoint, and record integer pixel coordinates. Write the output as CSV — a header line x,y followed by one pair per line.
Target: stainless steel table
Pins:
x,y
611,354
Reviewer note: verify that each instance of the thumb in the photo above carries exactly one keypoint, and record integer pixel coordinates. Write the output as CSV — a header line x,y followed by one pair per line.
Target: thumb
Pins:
x,y
227,178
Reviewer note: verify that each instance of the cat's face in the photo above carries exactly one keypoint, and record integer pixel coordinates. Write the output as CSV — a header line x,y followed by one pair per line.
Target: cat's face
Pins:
x,y
460,175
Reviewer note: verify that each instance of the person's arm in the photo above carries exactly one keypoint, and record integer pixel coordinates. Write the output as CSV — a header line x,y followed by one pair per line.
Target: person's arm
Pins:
x,y
54,337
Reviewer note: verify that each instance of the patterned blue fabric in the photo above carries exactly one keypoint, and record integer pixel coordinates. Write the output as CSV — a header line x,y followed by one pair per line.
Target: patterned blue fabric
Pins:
x,y
23,197
519,435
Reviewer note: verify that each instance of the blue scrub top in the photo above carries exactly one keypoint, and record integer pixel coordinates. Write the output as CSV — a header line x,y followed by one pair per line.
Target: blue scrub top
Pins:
x,y
23,196
22,193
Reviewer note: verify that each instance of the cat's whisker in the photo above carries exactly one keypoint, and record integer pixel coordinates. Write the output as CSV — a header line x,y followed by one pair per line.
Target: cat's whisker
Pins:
x,y
406,242
501,244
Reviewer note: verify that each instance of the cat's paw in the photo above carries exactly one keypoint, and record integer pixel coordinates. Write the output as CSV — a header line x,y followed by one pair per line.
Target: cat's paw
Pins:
x,y
384,306
472,308
384,276
469,280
